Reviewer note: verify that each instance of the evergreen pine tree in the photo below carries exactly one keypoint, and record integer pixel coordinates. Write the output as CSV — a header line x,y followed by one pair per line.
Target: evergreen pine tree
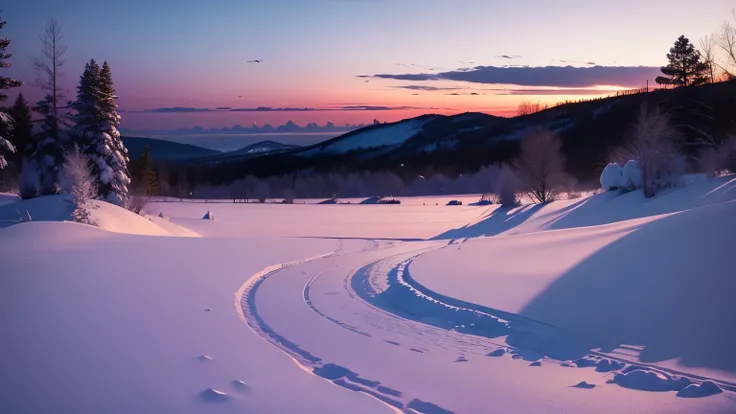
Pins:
x,y
145,181
22,132
685,67
41,173
6,122
96,129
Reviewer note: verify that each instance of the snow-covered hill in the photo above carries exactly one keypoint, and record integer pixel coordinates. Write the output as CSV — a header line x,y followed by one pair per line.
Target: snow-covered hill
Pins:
x,y
375,136
107,216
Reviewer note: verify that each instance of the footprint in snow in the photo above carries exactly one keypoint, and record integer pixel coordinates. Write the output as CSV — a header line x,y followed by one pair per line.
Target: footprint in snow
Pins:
x,y
208,310
240,386
204,358
213,395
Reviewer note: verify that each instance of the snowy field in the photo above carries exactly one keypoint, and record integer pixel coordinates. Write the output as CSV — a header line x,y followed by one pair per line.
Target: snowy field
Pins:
x,y
606,303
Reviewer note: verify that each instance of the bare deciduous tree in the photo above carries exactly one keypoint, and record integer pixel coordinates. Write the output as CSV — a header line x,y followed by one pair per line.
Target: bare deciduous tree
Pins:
x,y
541,166
49,64
528,107
726,41
708,53
653,146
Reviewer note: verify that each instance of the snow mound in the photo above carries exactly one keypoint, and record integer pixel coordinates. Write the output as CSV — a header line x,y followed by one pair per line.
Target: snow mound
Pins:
x,y
612,177
497,353
632,175
646,380
536,364
107,216
585,362
204,357
584,385
705,389
211,394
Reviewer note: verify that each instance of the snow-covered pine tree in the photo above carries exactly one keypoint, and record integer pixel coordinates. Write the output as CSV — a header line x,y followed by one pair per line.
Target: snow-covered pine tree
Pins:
x,y
96,130
76,179
120,180
6,122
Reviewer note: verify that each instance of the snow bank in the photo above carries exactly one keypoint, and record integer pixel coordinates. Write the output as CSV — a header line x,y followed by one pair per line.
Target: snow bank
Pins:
x,y
706,389
108,216
612,177
646,380
7,198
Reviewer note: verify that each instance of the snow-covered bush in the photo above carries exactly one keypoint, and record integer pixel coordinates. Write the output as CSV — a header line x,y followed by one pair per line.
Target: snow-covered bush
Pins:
x,y
612,177
631,175
76,179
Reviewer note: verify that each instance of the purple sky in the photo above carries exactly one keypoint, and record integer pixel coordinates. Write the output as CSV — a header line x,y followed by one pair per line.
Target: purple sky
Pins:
x,y
412,56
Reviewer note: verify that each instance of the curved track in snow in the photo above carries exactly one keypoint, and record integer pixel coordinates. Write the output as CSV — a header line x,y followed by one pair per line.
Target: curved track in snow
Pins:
x,y
356,317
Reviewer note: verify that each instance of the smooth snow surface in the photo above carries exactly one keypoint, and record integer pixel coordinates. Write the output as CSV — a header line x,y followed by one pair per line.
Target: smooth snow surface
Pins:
x,y
7,198
608,303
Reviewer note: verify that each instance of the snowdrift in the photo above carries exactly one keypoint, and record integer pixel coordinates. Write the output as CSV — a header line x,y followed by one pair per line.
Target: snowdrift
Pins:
x,y
7,198
107,216
652,275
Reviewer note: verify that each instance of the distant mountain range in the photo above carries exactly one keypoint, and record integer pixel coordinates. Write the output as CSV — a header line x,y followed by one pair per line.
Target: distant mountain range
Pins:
x,y
590,131
288,127
170,151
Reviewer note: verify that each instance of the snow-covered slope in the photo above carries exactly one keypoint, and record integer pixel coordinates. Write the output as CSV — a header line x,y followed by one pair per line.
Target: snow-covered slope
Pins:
x,y
653,285
371,137
107,216
7,198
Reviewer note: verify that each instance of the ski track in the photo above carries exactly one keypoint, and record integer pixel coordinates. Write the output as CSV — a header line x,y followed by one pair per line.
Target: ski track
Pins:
x,y
407,308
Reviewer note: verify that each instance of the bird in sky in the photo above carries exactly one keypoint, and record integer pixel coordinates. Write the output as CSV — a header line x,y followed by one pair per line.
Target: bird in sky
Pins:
x,y
255,61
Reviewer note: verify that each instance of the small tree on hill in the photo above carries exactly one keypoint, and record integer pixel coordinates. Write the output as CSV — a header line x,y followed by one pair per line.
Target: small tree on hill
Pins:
x,y
144,175
685,67
76,179
541,166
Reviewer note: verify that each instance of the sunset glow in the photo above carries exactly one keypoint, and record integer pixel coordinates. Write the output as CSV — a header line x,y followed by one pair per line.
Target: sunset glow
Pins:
x,y
331,54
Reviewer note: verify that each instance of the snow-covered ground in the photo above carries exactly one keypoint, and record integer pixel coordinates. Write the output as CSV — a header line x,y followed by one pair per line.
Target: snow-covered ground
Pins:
x,y
607,303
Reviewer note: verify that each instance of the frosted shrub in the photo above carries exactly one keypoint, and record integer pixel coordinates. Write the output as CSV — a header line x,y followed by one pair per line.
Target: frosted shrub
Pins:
x,y
612,177
76,179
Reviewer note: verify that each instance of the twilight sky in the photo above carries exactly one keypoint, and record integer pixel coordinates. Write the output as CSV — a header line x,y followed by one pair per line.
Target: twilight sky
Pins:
x,y
400,58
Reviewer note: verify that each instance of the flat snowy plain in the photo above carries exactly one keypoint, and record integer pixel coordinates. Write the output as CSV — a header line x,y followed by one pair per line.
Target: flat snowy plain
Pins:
x,y
606,303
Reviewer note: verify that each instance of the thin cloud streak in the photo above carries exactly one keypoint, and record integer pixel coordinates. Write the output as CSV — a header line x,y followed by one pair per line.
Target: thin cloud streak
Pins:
x,y
539,76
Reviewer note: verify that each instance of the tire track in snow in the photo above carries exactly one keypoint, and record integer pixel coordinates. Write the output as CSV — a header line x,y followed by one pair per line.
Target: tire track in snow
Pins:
x,y
338,375
525,333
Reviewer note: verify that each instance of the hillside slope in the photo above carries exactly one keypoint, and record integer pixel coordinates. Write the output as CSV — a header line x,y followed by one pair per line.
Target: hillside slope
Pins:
x,y
163,150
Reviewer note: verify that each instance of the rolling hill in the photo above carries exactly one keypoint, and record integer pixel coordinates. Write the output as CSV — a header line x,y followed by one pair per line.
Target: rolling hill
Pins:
x,y
162,150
